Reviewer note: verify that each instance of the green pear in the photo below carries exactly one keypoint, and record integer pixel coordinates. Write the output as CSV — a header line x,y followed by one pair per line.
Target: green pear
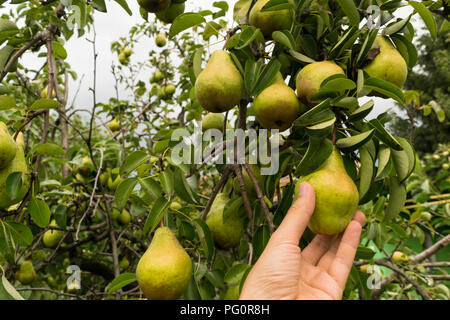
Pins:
x,y
18,164
336,196
161,40
86,166
124,217
114,125
8,147
114,179
389,64
52,237
219,87
400,257
277,106
164,271
213,121
154,5
169,89
310,78
157,77
228,233
270,21
168,15
114,214
175,206
26,274
232,293
127,51
123,59
124,263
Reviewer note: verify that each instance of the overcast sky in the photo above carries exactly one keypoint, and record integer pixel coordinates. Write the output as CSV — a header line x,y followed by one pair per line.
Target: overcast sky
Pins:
x,y
110,27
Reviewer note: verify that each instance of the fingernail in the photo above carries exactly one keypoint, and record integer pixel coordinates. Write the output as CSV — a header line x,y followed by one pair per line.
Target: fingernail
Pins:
x,y
301,190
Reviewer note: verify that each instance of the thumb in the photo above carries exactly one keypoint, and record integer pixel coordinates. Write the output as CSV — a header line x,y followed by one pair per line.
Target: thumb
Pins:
x,y
297,218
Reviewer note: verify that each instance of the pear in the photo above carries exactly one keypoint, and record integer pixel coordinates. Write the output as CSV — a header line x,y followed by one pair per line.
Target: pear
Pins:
x,y
114,214
154,5
161,40
123,59
336,196
124,263
52,237
277,106
168,15
389,64
400,257
124,217
26,274
219,87
169,90
86,166
114,179
164,271
8,146
157,77
311,77
213,121
270,21
114,125
175,206
18,164
228,233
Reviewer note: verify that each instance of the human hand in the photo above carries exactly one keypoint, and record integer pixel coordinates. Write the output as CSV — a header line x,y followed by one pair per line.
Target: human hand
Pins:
x,y
320,271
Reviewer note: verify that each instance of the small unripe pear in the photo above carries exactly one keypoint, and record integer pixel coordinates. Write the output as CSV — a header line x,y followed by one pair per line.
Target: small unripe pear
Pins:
x,y
114,125
400,257
124,217
161,40
175,206
52,237
213,121
26,273
8,147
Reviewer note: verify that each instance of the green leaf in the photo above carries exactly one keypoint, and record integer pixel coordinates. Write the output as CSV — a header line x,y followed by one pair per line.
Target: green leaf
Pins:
x,y
231,207
285,38
61,217
396,26
318,151
40,213
386,88
260,239
157,212
267,75
426,16
404,160
248,36
338,84
99,5
300,57
350,10
397,198
382,134
166,179
305,119
133,161
235,273
49,149
362,111
205,237
321,129
185,21
13,184
364,252
251,72
10,289
59,51
367,45
123,192
276,5
384,155
365,172
7,102
151,187
20,233
121,281
124,5
406,49
182,188
216,278
352,143
45,104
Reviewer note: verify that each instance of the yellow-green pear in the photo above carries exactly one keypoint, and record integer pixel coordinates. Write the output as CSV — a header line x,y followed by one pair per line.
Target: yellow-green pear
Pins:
x,y
127,51
154,5
18,164
52,237
8,147
213,121
114,214
228,233
164,271
400,257
114,179
168,15
86,166
219,87
310,78
336,196
124,217
123,59
175,206
389,64
270,21
114,125
169,89
161,40
26,274
277,106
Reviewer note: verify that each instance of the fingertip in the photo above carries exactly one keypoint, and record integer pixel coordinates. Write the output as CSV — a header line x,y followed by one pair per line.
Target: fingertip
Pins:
x,y
359,217
305,189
